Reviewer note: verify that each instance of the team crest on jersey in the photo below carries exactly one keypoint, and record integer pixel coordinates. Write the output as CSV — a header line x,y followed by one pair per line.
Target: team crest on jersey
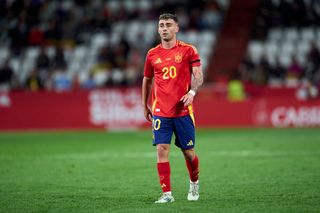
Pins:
x,y
178,58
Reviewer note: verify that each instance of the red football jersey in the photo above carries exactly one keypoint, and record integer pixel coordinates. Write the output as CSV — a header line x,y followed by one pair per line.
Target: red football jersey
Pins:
x,y
171,70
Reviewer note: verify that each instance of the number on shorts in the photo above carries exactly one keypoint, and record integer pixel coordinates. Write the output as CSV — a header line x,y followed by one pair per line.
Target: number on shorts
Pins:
x,y
156,124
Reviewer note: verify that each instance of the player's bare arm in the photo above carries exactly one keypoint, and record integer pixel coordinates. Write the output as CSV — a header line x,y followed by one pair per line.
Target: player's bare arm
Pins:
x,y
196,82
146,90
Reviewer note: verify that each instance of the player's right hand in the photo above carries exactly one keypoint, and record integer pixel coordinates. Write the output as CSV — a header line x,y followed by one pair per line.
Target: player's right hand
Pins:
x,y
148,114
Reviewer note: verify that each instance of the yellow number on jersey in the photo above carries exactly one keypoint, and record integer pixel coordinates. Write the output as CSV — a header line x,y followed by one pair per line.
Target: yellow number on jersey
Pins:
x,y
170,72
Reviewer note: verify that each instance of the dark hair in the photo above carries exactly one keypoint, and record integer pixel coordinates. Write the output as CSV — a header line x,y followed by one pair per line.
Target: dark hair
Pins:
x,y
166,16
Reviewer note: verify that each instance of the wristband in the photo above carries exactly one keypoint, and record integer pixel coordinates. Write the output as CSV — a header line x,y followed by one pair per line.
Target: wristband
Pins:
x,y
193,93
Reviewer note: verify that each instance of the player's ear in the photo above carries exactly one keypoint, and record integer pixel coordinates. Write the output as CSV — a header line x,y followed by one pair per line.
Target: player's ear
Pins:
x,y
177,28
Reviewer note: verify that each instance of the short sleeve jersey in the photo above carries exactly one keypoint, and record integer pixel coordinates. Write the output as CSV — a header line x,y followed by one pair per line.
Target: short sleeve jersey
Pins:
x,y
171,70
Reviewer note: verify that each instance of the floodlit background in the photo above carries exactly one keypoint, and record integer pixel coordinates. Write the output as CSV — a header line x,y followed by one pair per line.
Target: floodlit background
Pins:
x,y
258,56
73,137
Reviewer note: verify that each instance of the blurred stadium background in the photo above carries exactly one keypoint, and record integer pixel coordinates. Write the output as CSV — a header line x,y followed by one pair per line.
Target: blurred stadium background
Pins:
x,y
70,63
78,64
258,55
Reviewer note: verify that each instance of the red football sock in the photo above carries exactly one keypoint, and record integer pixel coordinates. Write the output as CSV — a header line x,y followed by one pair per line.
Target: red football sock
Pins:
x,y
193,168
164,176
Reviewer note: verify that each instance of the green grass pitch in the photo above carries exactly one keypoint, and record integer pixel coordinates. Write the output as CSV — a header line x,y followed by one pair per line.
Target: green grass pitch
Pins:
x,y
241,170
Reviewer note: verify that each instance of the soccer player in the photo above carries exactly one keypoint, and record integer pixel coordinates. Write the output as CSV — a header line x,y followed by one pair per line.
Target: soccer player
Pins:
x,y
173,74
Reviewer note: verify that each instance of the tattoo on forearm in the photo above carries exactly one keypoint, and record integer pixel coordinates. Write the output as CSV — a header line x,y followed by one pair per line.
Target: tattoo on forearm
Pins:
x,y
197,80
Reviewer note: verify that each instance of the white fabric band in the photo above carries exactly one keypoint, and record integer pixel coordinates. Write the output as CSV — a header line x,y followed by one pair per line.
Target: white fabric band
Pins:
x,y
192,92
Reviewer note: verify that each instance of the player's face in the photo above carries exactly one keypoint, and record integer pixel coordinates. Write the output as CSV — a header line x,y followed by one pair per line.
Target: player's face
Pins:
x,y
167,29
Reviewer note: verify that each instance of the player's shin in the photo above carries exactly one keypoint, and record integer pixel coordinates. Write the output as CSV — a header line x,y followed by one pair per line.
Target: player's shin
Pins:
x,y
193,168
164,176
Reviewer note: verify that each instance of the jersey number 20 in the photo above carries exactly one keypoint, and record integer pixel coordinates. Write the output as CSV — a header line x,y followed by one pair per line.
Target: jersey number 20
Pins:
x,y
169,72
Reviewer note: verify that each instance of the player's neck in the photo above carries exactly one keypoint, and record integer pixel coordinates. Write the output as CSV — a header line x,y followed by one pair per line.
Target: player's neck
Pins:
x,y
169,44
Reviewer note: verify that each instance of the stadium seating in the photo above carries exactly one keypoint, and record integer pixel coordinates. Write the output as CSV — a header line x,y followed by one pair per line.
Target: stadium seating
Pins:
x,y
138,27
290,42
285,43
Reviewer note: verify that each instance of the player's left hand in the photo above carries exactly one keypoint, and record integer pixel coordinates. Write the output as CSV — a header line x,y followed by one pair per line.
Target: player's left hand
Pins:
x,y
187,99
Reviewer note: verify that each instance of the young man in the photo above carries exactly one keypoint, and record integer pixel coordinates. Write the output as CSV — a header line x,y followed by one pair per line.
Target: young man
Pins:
x,y
172,64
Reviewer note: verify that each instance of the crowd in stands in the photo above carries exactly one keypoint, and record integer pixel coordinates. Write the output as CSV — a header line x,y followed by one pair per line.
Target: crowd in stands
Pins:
x,y
263,72
285,13
67,44
285,45
70,44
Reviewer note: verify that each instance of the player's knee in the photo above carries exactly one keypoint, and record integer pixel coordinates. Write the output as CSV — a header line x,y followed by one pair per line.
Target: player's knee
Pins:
x,y
163,152
162,148
189,154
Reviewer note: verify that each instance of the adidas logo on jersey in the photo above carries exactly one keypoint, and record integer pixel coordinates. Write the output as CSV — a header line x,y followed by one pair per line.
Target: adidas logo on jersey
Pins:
x,y
158,61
